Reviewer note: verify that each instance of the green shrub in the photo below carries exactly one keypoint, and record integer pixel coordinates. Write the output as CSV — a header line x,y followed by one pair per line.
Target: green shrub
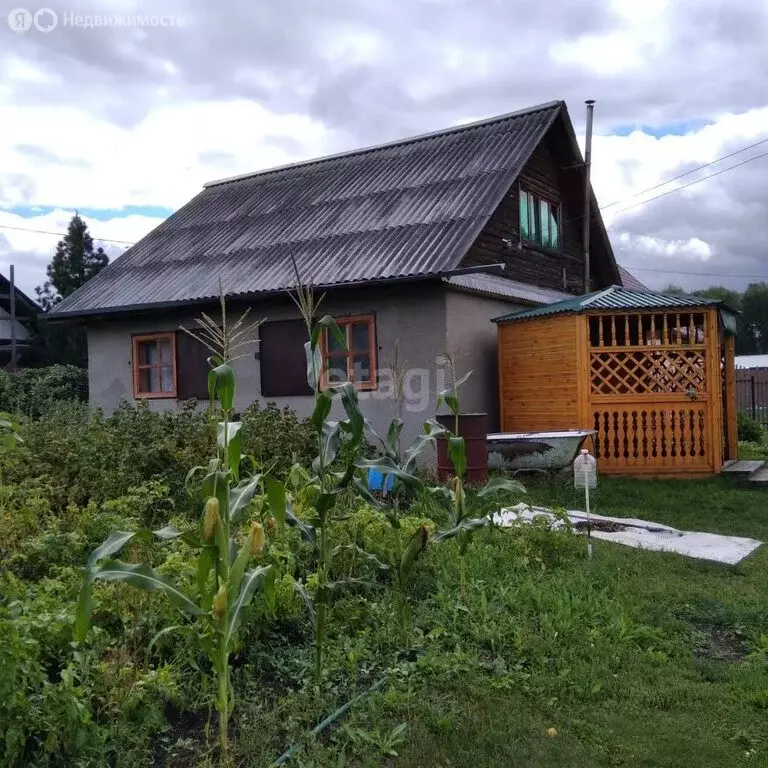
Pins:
x,y
31,391
750,430
277,436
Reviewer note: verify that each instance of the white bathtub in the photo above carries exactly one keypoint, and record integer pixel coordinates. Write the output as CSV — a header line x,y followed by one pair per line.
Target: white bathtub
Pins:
x,y
535,450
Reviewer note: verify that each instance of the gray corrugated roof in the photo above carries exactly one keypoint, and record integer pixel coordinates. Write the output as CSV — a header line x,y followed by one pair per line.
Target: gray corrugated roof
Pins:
x,y
613,298
496,285
409,208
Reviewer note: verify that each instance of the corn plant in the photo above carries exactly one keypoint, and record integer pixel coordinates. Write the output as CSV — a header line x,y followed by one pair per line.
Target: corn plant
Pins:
x,y
402,468
225,584
330,474
462,510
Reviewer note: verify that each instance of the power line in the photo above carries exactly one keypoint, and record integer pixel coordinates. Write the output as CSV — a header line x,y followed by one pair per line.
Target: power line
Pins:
x,y
62,234
687,173
691,183
694,274
675,178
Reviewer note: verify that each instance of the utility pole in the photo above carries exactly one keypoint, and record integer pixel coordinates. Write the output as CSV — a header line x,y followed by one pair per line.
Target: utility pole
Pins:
x,y
587,195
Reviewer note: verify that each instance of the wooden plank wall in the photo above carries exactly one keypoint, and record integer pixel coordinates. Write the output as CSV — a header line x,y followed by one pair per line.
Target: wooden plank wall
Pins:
x,y
555,173
538,374
525,261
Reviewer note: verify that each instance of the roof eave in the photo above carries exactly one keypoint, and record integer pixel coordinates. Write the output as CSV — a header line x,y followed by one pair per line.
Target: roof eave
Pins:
x,y
253,296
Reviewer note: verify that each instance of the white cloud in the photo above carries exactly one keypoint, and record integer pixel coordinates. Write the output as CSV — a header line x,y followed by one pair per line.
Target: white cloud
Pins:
x,y
30,252
154,163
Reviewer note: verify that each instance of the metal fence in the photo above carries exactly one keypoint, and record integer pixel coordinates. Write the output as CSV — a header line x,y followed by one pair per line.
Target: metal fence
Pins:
x,y
752,393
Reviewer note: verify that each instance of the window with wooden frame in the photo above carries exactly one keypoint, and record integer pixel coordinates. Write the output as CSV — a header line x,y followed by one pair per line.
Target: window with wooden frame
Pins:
x,y
539,220
154,365
356,363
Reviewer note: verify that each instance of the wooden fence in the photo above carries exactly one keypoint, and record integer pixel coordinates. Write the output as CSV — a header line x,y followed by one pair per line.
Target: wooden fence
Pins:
x,y
752,393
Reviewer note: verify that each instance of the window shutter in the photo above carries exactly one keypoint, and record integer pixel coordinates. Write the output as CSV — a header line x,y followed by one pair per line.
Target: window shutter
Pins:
x,y
283,360
191,367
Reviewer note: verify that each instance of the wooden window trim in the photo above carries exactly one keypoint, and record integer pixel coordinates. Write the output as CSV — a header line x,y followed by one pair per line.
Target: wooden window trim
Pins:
x,y
345,324
136,368
531,242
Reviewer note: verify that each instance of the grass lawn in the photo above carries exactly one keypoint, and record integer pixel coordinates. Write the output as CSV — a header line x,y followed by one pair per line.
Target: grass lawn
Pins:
x,y
635,658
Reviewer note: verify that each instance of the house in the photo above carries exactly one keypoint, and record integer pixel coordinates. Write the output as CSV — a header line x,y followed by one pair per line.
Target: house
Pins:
x,y
417,244
17,323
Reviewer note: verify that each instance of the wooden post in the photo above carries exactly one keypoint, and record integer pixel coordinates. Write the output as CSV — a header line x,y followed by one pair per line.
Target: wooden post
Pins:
x,y
714,401
753,399
732,445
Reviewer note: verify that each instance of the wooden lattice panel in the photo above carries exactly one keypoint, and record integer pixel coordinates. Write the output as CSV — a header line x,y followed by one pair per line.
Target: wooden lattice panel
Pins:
x,y
651,437
648,371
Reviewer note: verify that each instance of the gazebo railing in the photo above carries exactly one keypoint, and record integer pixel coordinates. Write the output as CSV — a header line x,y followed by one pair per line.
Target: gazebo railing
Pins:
x,y
648,390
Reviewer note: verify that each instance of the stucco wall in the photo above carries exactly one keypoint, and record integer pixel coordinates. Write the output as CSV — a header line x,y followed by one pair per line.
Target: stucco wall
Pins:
x,y
471,338
5,327
414,314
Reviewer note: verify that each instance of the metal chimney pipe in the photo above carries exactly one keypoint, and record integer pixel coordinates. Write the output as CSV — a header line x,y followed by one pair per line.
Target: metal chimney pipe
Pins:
x,y
587,195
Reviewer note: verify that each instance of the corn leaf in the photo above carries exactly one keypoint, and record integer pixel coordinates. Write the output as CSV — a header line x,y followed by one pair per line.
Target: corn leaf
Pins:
x,y
306,598
83,615
162,633
205,562
228,435
432,430
417,544
497,484
360,552
242,495
250,583
447,397
351,405
144,577
393,437
457,453
169,533
329,446
465,526
238,568
112,544
314,365
307,531
462,380
224,385
276,498
323,404
330,324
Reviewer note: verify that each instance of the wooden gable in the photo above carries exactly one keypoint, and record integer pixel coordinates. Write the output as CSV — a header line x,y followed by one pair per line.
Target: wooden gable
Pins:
x,y
554,172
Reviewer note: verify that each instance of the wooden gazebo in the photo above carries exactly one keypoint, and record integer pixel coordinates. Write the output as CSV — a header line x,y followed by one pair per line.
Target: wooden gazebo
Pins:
x,y
652,374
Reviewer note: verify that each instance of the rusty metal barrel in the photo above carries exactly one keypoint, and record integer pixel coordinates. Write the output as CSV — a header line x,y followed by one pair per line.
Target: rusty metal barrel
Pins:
x,y
473,427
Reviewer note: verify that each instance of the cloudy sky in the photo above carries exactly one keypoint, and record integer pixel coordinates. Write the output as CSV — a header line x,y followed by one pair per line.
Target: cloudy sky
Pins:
x,y
126,122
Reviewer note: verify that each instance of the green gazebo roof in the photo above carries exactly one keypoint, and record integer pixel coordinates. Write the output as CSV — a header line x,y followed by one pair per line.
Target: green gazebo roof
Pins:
x,y
614,298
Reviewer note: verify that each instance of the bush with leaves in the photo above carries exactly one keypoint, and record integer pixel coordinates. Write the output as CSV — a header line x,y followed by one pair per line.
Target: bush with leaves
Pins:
x,y
32,391
750,430
276,437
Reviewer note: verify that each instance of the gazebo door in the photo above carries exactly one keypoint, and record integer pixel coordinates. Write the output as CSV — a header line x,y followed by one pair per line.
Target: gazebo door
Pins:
x,y
653,391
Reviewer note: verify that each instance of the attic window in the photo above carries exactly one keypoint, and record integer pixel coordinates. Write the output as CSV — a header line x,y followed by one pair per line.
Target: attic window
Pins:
x,y
539,220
